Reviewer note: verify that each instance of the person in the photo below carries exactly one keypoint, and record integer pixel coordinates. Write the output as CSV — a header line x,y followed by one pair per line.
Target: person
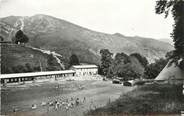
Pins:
x,y
84,99
15,110
34,106
43,103
56,105
71,99
77,101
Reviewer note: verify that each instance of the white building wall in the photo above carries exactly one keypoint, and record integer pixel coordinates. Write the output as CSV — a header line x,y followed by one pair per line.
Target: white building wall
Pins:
x,y
86,71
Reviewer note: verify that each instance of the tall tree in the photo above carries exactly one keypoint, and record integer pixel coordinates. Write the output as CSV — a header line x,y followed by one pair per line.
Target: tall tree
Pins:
x,y
106,60
74,60
176,7
20,37
51,63
141,59
121,57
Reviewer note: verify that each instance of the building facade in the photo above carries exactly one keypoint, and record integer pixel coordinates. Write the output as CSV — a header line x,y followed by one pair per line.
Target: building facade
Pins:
x,y
76,70
85,70
36,76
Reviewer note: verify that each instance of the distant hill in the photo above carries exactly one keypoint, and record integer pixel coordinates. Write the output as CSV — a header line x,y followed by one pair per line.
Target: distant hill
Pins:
x,y
65,38
170,41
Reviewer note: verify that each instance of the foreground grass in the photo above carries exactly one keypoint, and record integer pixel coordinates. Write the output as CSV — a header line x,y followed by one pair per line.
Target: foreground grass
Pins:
x,y
154,99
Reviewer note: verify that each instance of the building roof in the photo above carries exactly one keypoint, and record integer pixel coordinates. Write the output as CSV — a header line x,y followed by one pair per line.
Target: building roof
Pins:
x,y
34,74
85,66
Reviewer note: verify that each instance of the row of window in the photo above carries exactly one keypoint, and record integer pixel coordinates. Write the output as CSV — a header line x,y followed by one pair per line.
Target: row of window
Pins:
x,y
11,80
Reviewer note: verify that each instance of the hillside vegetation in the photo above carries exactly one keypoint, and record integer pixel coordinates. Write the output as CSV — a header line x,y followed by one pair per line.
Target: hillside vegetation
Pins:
x,y
14,57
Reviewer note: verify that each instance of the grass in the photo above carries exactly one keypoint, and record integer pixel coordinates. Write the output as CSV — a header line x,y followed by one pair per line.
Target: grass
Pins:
x,y
154,99
14,55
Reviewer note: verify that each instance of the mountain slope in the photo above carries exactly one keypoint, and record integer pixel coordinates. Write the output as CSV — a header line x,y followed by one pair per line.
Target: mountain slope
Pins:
x,y
170,41
54,34
13,56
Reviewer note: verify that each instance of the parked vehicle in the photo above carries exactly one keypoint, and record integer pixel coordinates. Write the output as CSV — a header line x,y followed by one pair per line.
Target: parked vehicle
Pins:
x,y
116,81
139,82
126,83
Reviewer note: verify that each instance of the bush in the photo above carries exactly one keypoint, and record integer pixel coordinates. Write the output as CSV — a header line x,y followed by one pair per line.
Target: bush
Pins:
x,y
152,70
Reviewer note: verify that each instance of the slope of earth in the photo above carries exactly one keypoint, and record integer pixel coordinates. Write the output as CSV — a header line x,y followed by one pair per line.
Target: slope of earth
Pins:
x,y
54,34
13,55
148,100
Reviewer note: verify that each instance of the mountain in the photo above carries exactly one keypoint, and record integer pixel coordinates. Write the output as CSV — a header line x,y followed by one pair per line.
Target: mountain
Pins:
x,y
170,41
66,38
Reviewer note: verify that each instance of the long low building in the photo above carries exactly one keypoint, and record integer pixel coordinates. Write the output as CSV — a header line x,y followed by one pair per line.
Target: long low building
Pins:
x,y
76,70
35,76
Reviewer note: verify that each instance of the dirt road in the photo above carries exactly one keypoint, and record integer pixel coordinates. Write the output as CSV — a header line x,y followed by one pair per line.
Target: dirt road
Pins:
x,y
18,100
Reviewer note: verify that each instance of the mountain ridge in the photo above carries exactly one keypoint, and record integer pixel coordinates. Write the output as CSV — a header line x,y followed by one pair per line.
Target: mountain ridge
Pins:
x,y
66,38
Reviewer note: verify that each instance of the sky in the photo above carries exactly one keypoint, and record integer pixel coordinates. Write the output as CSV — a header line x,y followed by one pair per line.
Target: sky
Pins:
x,y
128,17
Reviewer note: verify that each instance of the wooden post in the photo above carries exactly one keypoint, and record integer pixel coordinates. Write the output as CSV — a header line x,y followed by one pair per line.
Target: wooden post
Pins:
x,y
183,88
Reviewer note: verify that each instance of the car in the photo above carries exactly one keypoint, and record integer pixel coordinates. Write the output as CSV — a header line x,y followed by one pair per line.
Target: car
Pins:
x,y
139,82
126,83
116,81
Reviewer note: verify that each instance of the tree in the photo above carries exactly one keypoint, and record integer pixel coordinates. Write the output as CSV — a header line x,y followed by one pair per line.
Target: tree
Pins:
x,y
5,69
127,72
52,63
74,60
28,67
37,68
153,69
121,57
18,69
26,39
106,61
1,38
141,59
117,64
20,37
176,7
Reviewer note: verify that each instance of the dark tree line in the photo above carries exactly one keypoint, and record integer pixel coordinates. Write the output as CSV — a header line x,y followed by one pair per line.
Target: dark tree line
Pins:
x,y
152,70
176,8
120,65
141,59
74,60
106,61
20,69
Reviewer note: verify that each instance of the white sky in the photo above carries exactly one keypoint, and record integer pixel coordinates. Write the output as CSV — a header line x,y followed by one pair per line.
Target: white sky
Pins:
x,y
129,17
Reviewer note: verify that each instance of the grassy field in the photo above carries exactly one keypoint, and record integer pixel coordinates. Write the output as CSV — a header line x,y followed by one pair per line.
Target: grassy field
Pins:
x,y
22,97
149,100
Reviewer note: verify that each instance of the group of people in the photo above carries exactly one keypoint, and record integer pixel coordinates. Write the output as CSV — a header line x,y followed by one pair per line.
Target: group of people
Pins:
x,y
62,103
